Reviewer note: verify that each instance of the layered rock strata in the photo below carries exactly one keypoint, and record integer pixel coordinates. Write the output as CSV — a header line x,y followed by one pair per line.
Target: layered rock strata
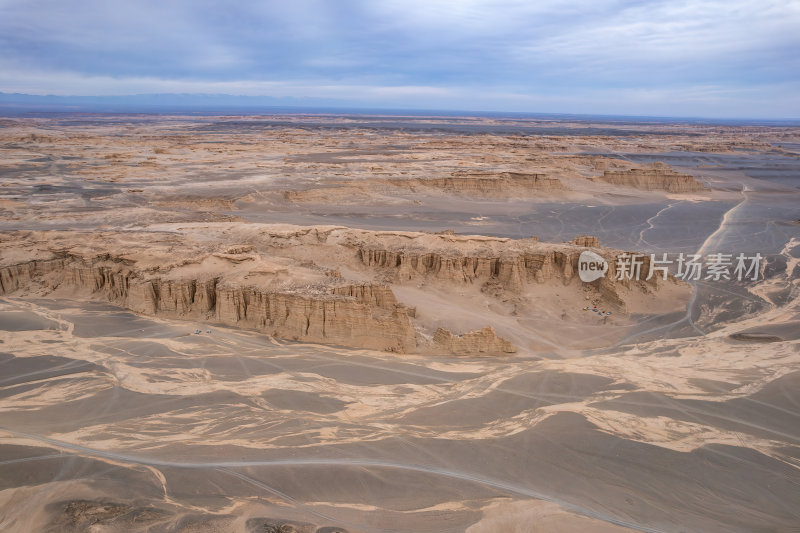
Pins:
x,y
484,184
476,185
288,280
586,241
483,341
656,178
363,315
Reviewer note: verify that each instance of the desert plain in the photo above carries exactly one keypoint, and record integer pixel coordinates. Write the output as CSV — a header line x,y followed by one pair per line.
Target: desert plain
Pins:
x,y
358,323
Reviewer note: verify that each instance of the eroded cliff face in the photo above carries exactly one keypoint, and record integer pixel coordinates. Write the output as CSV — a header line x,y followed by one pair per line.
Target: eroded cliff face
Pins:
x,y
484,184
353,315
510,271
483,341
325,318
324,284
466,184
586,241
655,178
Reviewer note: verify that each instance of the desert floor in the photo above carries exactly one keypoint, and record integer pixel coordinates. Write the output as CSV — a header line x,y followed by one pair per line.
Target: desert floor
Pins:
x,y
680,413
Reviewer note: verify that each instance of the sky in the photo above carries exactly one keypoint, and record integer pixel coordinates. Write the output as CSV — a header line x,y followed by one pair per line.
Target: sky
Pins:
x,y
705,58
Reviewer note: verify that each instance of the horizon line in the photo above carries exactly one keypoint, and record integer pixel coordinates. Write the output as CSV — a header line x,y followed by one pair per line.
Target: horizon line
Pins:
x,y
325,106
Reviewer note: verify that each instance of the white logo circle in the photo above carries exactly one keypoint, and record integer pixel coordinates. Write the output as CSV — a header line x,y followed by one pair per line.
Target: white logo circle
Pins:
x,y
591,266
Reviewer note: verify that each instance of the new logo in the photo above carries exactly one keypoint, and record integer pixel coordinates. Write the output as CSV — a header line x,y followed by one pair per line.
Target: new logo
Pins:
x,y
591,266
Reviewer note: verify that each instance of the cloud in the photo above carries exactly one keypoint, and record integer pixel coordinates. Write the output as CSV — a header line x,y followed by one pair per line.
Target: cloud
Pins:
x,y
422,53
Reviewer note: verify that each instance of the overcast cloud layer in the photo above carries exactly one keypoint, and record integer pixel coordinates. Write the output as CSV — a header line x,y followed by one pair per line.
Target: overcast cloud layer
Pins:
x,y
705,58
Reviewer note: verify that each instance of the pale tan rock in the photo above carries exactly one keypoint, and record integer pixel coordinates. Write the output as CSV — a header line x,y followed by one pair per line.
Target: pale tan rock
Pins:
x,y
482,341
376,295
485,184
324,284
361,316
467,184
655,178
586,241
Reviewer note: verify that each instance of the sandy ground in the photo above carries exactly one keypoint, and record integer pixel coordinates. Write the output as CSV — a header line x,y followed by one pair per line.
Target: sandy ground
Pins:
x,y
679,419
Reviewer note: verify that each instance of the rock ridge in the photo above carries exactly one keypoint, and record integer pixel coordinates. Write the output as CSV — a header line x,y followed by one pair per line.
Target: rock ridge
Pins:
x,y
655,178
326,284
357,315
483,341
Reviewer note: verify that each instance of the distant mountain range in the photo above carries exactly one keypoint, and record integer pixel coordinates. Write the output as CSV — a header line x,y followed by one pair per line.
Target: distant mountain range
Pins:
x,y
17,104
